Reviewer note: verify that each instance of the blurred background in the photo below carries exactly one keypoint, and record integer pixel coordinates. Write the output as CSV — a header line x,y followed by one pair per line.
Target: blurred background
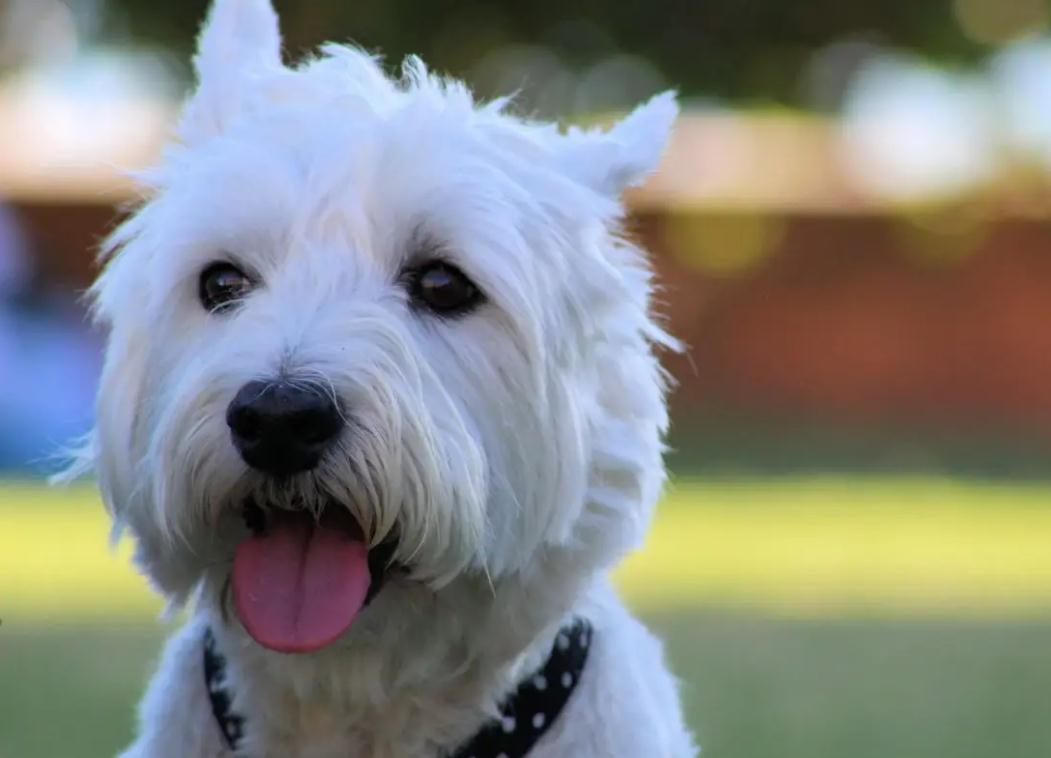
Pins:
x,y
852,229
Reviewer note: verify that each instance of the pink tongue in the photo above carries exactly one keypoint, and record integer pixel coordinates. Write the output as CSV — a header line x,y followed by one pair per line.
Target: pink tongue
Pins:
x,y
300,585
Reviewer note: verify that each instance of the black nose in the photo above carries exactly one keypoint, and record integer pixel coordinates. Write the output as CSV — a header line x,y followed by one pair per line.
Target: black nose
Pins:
x,y
281,428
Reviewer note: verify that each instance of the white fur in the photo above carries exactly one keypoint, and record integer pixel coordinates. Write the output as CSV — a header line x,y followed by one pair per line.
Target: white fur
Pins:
x,y
516,450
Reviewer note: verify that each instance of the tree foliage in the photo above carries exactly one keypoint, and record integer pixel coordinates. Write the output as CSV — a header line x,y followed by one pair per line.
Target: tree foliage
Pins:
x,y
738,50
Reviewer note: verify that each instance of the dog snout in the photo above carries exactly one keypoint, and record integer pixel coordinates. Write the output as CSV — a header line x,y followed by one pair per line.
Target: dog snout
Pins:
x,y
281,428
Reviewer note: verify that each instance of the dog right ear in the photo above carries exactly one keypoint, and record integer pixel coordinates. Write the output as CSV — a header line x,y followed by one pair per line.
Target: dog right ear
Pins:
x,y
239,42
611,161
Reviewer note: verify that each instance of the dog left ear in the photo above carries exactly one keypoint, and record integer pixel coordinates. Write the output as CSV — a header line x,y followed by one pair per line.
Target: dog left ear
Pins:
x,y
240,40
611,161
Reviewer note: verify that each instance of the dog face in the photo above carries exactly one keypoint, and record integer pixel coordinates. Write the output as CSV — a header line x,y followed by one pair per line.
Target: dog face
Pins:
x,y
374,296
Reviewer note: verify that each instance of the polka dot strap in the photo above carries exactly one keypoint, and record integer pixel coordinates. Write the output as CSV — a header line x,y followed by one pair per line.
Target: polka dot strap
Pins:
x,y
524,717
230,724
531,709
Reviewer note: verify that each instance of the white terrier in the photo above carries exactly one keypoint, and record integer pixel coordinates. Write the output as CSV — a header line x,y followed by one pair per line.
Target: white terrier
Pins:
x,y
381,403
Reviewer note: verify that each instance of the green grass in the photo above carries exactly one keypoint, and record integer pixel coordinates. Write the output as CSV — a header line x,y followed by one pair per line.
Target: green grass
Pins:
x,y
69,691
808,546
808,618
861,545
761,687
754,686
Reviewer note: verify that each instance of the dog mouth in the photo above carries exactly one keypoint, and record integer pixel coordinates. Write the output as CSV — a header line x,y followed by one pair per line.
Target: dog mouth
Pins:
x,y
300,579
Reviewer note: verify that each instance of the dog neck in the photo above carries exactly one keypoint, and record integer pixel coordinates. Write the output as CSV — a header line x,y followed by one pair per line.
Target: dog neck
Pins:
x,y
525,714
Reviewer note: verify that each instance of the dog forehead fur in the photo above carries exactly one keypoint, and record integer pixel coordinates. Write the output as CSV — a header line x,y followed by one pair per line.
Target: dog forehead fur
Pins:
x,y
515,452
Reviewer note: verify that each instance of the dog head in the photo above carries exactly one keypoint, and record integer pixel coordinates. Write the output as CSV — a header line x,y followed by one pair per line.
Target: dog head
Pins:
x,y
369,306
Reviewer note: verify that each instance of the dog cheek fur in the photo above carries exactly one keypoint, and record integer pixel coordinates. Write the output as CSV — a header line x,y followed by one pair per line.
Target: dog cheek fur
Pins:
x,y
129,432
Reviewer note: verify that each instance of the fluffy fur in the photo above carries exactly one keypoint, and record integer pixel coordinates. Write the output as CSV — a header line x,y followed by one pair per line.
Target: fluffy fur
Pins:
x,y
516,452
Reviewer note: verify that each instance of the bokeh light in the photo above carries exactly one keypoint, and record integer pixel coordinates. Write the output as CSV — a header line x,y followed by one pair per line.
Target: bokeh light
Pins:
x,y
912,130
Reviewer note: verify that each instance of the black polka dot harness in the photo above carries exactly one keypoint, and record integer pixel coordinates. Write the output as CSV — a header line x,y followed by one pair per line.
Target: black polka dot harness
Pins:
x,y
525,715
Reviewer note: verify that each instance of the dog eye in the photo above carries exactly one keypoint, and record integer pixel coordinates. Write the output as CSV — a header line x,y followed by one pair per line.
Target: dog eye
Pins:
x,y
444,289
222,285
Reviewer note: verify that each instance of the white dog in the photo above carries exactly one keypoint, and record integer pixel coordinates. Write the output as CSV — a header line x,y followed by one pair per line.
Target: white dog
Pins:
x,y
381,404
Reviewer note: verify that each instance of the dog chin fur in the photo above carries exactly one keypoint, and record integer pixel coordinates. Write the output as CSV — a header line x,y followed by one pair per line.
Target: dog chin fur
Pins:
x,y
515,453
